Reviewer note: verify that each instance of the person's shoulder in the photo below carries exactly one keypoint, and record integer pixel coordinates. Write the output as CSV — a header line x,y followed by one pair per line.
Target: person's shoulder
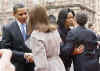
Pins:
x,y
78,29
89,30
74,30
38,35
92,32
54,33
73,33
9,25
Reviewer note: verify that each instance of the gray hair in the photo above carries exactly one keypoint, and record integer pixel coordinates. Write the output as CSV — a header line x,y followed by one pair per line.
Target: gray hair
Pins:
x,y
81,18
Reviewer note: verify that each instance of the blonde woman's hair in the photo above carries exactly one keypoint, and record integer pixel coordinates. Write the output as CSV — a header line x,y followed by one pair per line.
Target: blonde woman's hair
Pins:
x,y
38,20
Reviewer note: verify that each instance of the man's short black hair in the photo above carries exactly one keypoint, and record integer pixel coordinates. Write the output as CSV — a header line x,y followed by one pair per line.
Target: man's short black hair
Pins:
x,y
16,6
52,19
81,18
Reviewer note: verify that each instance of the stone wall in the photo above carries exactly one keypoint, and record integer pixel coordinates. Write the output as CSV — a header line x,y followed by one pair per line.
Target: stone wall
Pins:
x,y
90,6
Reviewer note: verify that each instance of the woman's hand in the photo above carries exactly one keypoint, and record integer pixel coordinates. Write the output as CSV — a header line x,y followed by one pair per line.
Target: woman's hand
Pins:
x,y
79,50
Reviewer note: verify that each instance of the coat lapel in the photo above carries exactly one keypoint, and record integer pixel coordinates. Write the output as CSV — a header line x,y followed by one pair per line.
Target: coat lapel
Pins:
x,y
17,32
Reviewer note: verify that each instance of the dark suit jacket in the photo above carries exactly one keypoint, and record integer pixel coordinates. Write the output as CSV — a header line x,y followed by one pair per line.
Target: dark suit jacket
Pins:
x,y
67,60
88,60
13,40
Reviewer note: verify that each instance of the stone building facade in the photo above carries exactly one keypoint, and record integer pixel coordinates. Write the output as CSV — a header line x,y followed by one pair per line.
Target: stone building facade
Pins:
x,y
6,11
77,5
97,9
54,6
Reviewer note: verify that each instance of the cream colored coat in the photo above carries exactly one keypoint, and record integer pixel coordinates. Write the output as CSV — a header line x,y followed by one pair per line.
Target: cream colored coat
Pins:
x,y
45,49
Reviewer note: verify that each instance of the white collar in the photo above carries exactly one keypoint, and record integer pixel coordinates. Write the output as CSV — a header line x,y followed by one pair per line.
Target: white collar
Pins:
x,y
19,24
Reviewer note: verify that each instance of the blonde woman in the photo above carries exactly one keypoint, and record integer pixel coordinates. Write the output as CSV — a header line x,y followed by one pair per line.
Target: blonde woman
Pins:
x,y
44,41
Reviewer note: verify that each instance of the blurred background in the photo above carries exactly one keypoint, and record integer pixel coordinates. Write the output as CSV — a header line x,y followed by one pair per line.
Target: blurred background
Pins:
x,y
92,7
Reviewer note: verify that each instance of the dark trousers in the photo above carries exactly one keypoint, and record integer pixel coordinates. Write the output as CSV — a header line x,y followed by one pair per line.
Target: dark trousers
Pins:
x,y
29,67
67,61
24,66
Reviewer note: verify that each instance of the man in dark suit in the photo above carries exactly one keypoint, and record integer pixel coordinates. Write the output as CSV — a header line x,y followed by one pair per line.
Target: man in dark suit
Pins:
x,y
14,35
88,60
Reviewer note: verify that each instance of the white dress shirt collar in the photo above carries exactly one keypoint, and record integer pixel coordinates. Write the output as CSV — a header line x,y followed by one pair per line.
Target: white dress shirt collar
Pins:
x,y
19,24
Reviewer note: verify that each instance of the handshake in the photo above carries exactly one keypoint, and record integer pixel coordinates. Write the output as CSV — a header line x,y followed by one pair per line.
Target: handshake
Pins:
x,y
28,57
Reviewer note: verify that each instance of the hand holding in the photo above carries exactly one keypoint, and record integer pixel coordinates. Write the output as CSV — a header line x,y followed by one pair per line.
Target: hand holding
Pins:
x,y
28,57
79,50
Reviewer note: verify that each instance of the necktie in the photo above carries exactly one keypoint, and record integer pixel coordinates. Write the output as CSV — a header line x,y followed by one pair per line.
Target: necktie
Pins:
x,y
23,31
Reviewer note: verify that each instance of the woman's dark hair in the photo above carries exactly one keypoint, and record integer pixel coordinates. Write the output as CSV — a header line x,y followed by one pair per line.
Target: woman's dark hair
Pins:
x,y
61,21
62,16
81,18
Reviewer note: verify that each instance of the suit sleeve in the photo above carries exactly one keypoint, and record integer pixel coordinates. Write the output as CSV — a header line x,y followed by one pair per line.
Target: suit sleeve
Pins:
x,y
68,48
7,44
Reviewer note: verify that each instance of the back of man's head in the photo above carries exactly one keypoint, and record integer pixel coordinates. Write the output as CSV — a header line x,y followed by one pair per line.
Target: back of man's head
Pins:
x,y
81,18
52,19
